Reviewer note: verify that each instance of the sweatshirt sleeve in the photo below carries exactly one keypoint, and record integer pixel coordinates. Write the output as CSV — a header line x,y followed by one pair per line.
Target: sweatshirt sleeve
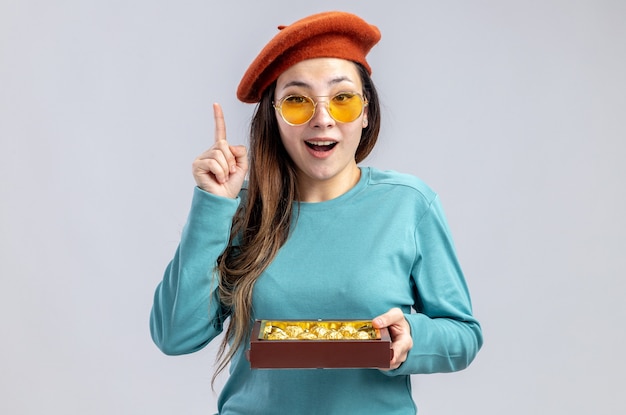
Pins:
x,y
186,314
446,336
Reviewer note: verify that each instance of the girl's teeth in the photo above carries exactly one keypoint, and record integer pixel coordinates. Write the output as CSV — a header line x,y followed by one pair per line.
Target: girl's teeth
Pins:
x,y
321,143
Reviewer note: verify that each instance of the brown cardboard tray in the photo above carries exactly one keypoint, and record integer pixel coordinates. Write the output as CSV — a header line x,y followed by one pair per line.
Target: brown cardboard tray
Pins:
x,y
269,351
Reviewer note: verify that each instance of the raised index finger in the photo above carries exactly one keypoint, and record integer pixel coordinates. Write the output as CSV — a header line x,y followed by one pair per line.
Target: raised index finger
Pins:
x,y
220,124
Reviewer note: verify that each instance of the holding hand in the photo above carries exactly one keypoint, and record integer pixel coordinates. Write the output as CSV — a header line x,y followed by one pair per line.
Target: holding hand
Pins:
x,y
400,332
221,169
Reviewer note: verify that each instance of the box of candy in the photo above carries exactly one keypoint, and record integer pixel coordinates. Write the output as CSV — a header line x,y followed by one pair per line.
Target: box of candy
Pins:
x,y
291,344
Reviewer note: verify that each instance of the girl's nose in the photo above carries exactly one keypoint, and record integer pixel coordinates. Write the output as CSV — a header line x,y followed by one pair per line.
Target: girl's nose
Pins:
x,y
321,116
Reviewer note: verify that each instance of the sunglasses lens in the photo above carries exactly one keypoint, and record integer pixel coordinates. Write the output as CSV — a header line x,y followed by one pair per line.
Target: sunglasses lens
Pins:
x,y
345,107
297,109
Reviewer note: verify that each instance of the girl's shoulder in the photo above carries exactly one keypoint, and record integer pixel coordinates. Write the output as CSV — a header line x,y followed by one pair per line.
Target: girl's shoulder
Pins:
x,y
402,182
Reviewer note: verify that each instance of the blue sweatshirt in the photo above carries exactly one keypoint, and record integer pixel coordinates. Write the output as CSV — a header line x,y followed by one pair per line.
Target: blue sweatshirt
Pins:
x,y
383,244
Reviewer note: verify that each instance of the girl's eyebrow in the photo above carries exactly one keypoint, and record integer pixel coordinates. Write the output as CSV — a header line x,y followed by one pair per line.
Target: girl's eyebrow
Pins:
x,y
296,83
303,84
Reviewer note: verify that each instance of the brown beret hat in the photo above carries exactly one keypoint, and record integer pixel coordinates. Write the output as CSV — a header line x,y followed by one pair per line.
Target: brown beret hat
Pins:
x,y
323,35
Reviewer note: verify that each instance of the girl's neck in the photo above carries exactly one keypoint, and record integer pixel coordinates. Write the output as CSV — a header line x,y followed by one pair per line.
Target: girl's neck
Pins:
x,y
313,191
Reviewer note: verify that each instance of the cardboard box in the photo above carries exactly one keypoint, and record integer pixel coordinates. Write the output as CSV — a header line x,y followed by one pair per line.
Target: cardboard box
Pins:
x,y
270,350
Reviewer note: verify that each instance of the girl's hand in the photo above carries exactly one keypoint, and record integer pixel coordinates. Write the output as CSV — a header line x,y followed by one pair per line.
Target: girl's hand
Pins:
x,y
221,169
400,332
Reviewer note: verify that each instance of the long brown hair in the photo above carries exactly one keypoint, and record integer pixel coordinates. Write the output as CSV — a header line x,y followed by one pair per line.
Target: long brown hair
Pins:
x,y
263,222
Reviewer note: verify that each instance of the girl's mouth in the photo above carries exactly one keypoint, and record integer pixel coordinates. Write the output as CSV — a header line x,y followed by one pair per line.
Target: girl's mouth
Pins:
x,y
321,145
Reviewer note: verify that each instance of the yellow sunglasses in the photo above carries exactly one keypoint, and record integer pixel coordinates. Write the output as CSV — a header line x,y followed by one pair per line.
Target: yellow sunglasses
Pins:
x,y
299,109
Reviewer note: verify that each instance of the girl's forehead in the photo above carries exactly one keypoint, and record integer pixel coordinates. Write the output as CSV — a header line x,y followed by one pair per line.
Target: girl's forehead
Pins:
x,y
320,72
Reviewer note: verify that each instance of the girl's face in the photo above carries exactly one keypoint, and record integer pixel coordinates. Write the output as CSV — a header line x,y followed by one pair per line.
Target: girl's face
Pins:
x,y
322,148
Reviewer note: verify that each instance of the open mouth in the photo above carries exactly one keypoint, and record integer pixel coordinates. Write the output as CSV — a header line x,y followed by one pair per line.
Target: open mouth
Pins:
x,y
321,145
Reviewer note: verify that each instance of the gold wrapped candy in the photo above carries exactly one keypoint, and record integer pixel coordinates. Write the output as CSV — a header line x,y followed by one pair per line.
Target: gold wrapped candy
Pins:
x,y
318,330
334,335
306,335
277,334
293,331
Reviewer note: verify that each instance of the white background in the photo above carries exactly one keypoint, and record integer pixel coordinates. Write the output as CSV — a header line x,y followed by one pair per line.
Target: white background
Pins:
x,y
514,111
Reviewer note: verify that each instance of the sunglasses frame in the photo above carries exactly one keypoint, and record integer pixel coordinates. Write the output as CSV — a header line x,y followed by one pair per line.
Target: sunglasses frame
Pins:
x,y
278,105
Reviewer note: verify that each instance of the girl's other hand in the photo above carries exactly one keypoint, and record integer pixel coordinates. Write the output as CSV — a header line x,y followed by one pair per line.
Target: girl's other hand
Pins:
x,y
221,169
400,332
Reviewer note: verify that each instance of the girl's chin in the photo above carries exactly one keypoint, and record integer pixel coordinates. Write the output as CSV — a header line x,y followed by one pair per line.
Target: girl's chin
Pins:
x,y
326,174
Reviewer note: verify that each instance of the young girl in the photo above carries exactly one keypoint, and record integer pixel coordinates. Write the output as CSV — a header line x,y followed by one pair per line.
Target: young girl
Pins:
x,y
312,235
